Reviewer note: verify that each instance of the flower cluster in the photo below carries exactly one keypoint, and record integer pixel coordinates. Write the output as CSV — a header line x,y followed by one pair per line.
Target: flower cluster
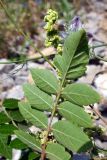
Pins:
x,y
53,39
41,135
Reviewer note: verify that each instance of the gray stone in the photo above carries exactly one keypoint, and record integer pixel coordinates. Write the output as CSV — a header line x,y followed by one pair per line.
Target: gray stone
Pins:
x,y
16,92
3,95
100,144
6,82
20,80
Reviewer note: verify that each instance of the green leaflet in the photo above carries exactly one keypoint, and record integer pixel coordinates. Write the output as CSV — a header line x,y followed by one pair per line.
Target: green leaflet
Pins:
x,y
76,72
75,57
29,140
5,150
10,103
17,144
3,118
7,129
33,156
37,98
71,136
75,114
15,115
45,80
37,118
80,94
58,61
55,151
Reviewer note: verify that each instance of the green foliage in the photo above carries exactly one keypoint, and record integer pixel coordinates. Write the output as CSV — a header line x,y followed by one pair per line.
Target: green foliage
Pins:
x,y
75,114
37,98
7,129
71,136
75,57
80,94
52,94
45,80
15,115
3,118
37,118
56,152
5,150
17,144
33,156
29,140
10,103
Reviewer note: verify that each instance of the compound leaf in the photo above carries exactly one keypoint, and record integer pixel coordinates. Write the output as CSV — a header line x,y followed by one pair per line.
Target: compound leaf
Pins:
x,y
75,57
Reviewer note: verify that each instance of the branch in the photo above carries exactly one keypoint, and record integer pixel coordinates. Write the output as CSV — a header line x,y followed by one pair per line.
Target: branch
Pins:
x,y
98,114
97,46
35,57
100,58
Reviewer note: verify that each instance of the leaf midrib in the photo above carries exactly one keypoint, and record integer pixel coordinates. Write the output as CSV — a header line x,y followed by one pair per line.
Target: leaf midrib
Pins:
x,y
72,93
47,82
40,98
53,155
30,142
74,115
33,116
67,135
5,147
70,62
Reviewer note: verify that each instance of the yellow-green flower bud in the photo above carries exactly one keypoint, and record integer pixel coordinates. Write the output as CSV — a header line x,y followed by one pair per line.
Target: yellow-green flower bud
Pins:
x,y
59,48
48,27
48,43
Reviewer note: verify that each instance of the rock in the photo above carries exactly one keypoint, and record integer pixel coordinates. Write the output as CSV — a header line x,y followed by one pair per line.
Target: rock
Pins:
x,y
6,82
8,68
16,92
16,154
100,144
55,119
100,82
92,70
2,65
20,80
3,95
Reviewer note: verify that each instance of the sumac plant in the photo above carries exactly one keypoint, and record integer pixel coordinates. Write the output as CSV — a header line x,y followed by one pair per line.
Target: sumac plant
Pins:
x,y
54,105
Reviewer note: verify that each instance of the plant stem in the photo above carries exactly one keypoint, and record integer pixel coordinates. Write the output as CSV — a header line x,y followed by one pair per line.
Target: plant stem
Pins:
x,y
98,114
25,60
27,38
10,117
49,126
100,45
43,154
97,46
100,58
